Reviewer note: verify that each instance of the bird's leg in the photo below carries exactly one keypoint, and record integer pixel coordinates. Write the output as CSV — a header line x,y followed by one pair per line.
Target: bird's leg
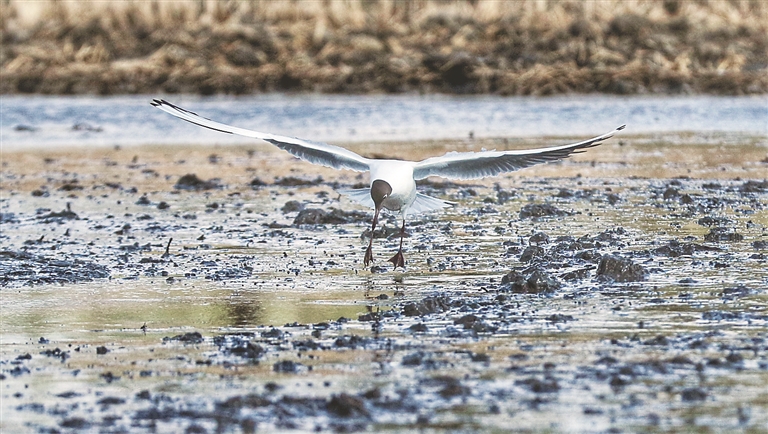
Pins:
x,y
369,252
398,260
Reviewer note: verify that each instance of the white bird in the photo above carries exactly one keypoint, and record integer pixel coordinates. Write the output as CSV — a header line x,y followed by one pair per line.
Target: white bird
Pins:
x,y
393,182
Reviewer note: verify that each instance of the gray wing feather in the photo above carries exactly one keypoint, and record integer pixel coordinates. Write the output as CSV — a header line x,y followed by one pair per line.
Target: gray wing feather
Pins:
x,y
424,203
472,165
313,152
360,195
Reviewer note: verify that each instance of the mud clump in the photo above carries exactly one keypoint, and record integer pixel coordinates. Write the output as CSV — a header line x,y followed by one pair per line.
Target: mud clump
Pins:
x,y
530,281
58,217
532,252
345,405
754,187
721,234
288,367
239,345
186,338
22,268
291,181
191,182
292,206
675,249
541,210
427,306
620,269
316,216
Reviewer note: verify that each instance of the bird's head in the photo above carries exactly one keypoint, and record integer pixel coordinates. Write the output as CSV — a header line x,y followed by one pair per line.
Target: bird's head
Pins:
x,y
380,190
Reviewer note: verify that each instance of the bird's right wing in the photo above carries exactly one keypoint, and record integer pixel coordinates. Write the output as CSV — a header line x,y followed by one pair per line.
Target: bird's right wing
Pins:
x,y
313,152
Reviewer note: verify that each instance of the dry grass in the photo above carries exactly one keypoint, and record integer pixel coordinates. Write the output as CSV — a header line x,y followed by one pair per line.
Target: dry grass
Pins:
x,y
481,46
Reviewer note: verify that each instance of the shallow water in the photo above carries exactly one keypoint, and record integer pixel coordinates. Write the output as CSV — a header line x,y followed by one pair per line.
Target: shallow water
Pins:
x,y
684,348
38,121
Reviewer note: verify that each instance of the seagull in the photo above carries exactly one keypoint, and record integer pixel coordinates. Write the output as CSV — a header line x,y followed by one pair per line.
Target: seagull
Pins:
x,y
393,182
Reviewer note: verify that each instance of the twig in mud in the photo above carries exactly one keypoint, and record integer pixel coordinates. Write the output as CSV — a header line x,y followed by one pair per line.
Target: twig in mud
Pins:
x,y
167,249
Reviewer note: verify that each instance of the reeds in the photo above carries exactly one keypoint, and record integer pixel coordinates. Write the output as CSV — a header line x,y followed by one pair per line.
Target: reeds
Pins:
x,y
535,47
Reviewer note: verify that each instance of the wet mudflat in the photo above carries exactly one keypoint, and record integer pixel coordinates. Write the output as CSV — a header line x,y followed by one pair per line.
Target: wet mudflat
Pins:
x,y
205,289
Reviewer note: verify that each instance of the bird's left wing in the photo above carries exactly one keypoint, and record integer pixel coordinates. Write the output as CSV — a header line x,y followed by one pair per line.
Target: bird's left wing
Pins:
x,y
313,152
471,165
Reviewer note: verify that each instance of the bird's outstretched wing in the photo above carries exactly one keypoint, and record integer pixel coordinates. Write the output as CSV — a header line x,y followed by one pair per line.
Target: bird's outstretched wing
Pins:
x,y
471,165
313,152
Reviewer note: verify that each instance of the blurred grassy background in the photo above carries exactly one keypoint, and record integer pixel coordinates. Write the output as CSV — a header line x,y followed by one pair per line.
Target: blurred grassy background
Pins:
x,y
535,47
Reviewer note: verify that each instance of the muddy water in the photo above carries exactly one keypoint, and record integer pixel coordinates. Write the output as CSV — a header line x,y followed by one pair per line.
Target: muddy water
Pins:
x,y
99,324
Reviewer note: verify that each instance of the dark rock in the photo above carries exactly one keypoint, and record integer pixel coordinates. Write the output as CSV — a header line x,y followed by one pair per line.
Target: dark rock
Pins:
x,y
102,350
620,269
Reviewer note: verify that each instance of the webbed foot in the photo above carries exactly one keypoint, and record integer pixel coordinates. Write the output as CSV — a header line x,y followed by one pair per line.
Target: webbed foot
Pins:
x,y
398,260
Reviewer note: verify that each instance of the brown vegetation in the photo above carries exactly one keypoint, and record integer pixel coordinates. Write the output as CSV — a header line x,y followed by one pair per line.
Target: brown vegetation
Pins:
x,y
356,46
